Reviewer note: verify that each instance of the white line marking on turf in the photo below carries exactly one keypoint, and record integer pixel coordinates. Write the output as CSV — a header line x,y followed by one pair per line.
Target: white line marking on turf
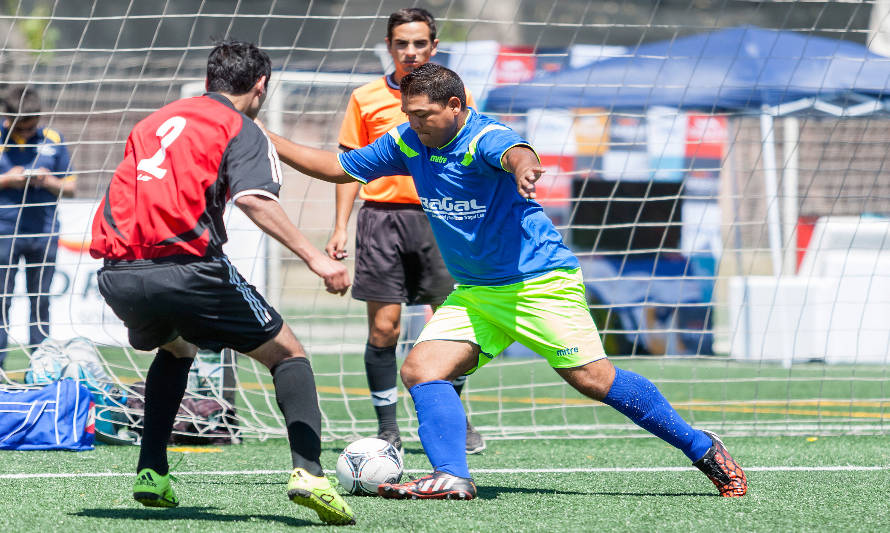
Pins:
x,y
648,469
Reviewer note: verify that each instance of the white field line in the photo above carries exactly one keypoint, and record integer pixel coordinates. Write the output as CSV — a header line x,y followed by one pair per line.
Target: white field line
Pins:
x,y
647,469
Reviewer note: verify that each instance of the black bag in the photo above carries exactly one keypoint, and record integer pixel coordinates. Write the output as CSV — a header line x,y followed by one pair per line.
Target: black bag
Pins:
x,y
200,420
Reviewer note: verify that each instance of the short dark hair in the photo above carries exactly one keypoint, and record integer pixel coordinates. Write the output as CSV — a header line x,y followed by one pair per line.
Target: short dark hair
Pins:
x,y
411,14
22,101
235,66
438,83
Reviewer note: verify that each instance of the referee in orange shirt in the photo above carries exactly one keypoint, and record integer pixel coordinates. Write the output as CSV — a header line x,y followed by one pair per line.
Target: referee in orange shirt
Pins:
x,y
396,257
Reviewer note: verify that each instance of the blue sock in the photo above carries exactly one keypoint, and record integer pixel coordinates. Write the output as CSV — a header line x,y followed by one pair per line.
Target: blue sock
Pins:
x,y
442,426
640,400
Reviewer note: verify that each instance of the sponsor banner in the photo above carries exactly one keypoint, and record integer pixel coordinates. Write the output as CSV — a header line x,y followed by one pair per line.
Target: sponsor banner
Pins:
x,y
703,177
591,129
554,189
555,186
584,54
706,136
666,143
550,60
627,133
550,131
515,64
706,140
628,157
700,233
620,165
77,308
474,61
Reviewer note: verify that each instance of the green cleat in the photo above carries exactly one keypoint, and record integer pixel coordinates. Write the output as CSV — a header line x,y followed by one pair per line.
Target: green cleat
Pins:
x,y
154,490
317,494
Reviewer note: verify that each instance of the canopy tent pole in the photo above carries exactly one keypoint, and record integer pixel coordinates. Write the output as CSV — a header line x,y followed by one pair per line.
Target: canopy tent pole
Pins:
x,y
790,207
770,182
275,121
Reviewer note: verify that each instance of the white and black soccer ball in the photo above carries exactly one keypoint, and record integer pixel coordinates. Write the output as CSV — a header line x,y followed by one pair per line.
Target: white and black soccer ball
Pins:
x,y
366,463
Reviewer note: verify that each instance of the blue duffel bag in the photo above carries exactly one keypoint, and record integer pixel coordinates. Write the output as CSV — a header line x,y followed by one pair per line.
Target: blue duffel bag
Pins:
x,y
59,416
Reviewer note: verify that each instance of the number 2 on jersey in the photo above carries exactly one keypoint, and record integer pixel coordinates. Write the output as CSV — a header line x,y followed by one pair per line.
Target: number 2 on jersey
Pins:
x,y
150,167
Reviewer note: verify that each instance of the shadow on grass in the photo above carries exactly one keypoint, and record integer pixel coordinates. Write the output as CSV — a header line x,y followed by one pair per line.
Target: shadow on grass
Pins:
x,y
230,481
667,494
188,513
489,492
413,451
492,492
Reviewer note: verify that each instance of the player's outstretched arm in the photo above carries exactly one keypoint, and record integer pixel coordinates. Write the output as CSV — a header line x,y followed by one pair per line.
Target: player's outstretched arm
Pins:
x,y
313,162
522,162
271,218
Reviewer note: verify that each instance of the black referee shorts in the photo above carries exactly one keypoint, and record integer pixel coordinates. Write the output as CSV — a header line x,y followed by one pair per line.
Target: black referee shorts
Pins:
x,y
203,300
396,257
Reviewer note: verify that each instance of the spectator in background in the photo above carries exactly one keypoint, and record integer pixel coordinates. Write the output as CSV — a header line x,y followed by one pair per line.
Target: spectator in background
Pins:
x,y
34,173
396,257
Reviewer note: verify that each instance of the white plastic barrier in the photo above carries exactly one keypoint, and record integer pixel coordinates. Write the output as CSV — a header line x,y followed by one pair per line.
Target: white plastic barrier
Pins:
x,y
837,309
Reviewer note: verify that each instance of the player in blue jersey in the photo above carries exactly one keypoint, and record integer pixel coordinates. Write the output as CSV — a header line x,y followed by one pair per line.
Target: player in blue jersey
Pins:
x,y
34,173
517,281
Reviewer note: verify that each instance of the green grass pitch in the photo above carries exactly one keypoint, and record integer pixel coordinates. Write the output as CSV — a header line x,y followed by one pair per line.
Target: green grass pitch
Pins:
x,y
630,482
796,484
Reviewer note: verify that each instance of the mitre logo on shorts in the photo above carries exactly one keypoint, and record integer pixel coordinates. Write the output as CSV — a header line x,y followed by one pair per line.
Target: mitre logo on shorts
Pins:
x,y
449,209
567,351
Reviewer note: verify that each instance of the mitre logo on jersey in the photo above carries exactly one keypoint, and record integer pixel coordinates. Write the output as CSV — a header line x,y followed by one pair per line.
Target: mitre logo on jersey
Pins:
x,y
448,209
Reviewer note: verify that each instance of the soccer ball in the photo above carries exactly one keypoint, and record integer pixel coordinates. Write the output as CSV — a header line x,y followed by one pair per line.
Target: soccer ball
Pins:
x,y
366,463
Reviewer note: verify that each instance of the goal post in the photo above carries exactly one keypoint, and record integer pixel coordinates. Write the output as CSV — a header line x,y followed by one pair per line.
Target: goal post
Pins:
x,y
731,224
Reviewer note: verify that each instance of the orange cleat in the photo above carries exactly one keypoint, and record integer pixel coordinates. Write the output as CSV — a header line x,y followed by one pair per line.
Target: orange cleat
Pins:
x,y
722,469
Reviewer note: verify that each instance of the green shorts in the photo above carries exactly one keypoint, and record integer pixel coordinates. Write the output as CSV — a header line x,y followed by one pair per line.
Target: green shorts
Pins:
x,y
547,314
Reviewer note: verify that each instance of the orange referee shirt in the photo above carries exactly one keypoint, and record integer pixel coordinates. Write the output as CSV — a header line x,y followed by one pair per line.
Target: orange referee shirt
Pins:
x,y
374,109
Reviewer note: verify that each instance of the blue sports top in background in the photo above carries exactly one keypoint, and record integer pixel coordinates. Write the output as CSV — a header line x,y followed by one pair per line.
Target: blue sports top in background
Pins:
x,y
487,233
44,149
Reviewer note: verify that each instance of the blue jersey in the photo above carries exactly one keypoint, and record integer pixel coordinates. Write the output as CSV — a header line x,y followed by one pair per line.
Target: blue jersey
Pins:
x,y
44,149
488,234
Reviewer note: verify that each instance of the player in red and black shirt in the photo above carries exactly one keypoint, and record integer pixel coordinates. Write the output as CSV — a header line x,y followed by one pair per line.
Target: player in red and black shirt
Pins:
x,y
160,231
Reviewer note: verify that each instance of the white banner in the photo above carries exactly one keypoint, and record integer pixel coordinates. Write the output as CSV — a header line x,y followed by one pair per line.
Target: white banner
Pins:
x,y
76,307
551,131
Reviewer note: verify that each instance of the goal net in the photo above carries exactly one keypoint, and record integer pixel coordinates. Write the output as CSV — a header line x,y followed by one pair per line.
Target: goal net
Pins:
x,y
720,172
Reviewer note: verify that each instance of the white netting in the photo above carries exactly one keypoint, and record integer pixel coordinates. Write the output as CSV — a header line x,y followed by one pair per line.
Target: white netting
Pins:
x,y
735,253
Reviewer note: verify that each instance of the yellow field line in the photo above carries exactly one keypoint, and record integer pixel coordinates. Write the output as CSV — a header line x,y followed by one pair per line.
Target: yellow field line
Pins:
x,y
781,407
800,412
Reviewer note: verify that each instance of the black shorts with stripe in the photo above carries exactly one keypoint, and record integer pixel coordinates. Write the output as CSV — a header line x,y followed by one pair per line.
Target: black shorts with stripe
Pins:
x,y
203,300
396,257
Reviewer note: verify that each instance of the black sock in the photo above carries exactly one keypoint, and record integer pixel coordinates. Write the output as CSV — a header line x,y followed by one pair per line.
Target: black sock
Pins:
x,y
164,388
298,401
459,383
381,369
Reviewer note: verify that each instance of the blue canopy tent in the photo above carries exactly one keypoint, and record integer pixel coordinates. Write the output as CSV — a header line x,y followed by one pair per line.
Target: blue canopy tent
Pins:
x,y
744,71
743,68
